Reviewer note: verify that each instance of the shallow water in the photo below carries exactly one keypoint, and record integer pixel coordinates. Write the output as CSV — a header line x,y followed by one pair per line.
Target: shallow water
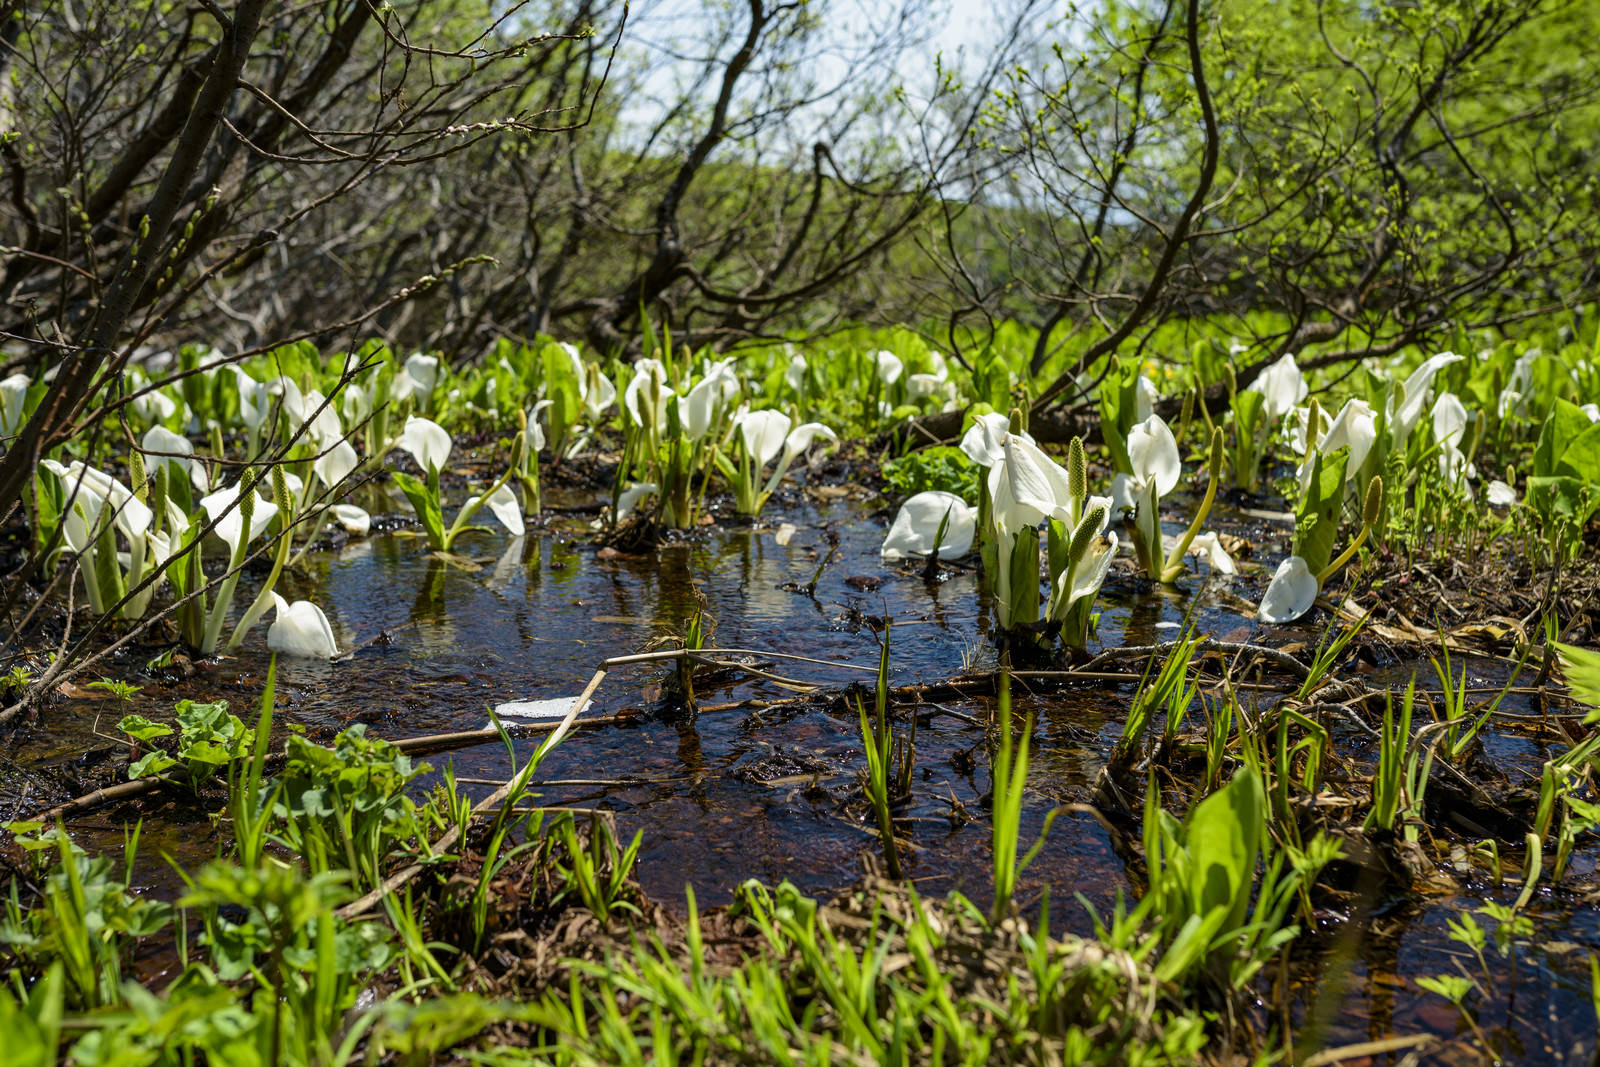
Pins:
x,y
768,792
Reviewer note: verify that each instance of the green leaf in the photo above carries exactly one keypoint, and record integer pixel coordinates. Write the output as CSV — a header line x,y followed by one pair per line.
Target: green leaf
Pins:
x,y
1223,837
1581,458
1563,426
1247,411
425,504
1582,668
1316,525
1452,987
142,729
152,763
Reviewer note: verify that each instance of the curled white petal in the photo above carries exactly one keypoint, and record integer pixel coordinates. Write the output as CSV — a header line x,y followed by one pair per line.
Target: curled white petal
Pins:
x,y
230,523
916,525
1145,398
1282,387
427,441
1153,453
1291,594
336,464
503,502
763,433
794,375
1027,486
984,440
13,392
630,497
1501,495
1209,547
352,519
423,374
301,629
889,366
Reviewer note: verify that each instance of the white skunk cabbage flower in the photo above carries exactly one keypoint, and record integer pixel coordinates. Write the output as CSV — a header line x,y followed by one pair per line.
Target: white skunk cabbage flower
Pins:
x,y
503,503
794,375
336,464
1208,546
92,490
419,377
13,392
154,406
173,450
324,428
301,629
764,433
795,441
1401,419
1090,573
255,398
357,403
1145,399
352,519
698,410
1591,410
647,395
889,366
1281,386
230,523
916,525
1449,427
1513,398
1028,487
427,442
1501,495
576,359
1153,454
536,428
984,440
927,384
1291,594
799,439
599,393
630,497
1356,425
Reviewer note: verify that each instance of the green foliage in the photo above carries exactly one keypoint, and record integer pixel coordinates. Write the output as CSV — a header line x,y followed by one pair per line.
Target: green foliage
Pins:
x,y
1316,518
348,801
30,1023
209,738
816,991
1008,778
943,468
887,780
1582,669
1564,488
597,874
86,924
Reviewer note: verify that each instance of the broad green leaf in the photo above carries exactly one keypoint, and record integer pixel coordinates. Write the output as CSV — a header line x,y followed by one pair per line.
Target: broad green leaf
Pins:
x,y
151,763
1223,836
142,729
425,504
1581,457
1564,425
1247,411
1316,526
